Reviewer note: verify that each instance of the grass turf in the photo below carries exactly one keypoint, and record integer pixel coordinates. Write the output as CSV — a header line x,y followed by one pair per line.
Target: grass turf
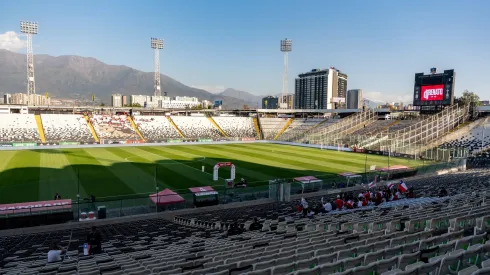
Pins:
x,y
32,175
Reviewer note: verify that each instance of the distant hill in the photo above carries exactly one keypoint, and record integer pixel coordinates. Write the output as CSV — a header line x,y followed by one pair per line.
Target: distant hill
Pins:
x,y
241,95
79,77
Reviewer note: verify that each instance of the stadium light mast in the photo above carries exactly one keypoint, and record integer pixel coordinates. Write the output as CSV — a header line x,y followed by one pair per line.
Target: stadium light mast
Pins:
x,y
157,45
29,28
286,47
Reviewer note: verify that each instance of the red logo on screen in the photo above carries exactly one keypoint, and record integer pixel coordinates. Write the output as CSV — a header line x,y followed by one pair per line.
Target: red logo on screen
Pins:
x,y
432,92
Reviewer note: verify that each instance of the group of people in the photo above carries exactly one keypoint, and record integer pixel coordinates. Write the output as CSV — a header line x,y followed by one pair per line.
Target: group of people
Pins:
x,y
94,239
349,201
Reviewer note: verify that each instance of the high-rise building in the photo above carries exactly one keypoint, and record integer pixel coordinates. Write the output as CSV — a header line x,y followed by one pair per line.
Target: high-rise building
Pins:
x,y
124,100
7,99
354,99
270,102
116,100
319,89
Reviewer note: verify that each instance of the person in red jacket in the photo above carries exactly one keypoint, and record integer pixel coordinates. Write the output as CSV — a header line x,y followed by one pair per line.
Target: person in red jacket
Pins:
x,y
339,203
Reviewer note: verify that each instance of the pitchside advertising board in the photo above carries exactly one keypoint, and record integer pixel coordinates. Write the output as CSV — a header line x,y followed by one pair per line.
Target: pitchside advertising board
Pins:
x,y
434,89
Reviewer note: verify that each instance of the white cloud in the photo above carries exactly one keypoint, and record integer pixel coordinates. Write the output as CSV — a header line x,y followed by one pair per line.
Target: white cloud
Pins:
x,y
210,88
11,41
383,97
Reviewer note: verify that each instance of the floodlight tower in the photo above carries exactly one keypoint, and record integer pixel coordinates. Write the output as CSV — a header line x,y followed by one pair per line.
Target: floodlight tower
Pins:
x,y
29,28
157,45
286,47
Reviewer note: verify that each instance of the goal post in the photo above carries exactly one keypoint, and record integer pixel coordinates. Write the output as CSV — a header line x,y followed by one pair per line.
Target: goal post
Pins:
x,y
220,164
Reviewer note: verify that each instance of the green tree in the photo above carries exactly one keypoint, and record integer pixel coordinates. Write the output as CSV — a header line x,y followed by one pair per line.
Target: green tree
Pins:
x,y
469,98
102,104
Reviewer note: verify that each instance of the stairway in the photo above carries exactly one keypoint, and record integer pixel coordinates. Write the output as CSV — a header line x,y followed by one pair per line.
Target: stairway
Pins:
x,y
175,126
40,128
257,128
286,126
135,128
92,130
217,126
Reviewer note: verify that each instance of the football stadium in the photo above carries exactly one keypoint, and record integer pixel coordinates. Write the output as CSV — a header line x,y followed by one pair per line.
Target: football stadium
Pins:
x,y
327,185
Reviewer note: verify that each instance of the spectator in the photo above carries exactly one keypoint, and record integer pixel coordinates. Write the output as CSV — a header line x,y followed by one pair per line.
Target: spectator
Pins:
x,y
234,229
327,206
94,239
57,196
304,205
255,225
411,194
54,253
443,192
339,203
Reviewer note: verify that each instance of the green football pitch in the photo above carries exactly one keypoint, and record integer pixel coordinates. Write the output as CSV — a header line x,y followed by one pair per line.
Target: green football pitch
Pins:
x,y
116,172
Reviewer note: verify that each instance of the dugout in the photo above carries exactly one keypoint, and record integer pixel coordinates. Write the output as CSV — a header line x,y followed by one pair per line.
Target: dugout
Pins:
x,y
309,184
351,179
204,196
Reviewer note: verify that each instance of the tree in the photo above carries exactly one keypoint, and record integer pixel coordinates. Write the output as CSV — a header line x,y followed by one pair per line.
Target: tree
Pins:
x,y
102,104
469,98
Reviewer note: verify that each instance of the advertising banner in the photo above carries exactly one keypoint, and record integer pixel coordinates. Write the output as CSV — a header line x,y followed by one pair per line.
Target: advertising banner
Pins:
x,y
5,144
24,144
205,140
432,93
248,139
69,143
174,140
134,141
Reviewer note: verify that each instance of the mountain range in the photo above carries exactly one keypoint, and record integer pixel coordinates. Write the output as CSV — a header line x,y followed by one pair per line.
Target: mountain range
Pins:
x,y
72,76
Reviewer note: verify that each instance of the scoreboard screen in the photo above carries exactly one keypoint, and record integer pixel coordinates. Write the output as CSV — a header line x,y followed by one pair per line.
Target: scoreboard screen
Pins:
x,y
434,89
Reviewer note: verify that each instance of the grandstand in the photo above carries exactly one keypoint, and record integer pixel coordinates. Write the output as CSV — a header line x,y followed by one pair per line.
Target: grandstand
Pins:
x,y
18,128
196,127
113,127
66,128
241,127
155,128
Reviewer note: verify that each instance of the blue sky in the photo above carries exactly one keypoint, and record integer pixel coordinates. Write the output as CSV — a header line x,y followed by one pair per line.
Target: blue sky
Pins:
x,y
221,43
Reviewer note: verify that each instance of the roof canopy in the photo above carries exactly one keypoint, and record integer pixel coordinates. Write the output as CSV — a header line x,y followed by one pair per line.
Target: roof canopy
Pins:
x,y
166,197
307,179
350,175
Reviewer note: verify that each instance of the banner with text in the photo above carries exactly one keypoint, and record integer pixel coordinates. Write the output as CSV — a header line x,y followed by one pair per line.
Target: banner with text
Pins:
x,y
24,144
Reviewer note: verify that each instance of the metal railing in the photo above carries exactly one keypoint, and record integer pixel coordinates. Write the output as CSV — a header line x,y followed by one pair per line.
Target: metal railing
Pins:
x,y
331,133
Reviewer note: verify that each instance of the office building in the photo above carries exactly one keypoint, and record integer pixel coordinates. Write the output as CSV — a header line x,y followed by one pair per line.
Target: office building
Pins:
x,y
270,102
124,100
116,100
354,99
320,89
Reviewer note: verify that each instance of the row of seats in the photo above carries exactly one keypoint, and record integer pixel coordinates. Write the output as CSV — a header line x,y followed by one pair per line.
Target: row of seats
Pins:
x,y
18,128
113,127
196,127
271,126
66,127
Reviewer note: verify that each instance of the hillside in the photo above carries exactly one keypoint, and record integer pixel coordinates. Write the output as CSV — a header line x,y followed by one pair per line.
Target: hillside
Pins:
x,y
74,76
